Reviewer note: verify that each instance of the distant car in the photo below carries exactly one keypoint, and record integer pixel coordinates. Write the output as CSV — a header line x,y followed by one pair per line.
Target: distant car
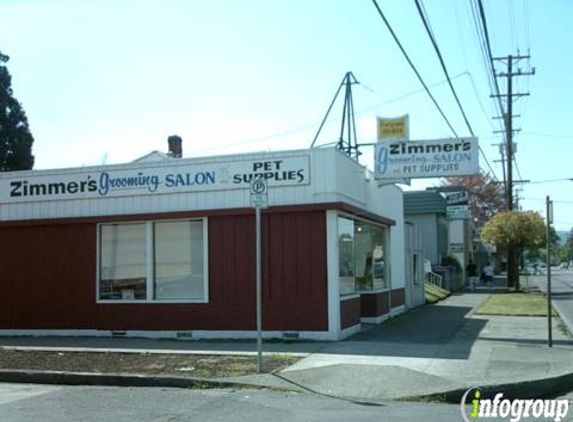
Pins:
x,y
564,266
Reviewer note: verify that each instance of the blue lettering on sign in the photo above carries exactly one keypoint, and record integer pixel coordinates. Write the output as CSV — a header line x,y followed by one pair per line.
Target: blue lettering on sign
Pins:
x,y
381,160
151,182
452,158
140,180
190,179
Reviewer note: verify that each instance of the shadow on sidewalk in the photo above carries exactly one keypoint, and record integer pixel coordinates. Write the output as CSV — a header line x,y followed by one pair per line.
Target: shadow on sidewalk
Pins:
x,y
436,331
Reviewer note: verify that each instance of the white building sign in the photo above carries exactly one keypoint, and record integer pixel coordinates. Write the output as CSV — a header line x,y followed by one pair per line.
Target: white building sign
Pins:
x,y
421,159
458,198
180,177
457,248
457,212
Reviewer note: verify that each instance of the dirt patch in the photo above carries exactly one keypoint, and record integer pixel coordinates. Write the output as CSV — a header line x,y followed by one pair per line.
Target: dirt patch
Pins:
x,y
196,366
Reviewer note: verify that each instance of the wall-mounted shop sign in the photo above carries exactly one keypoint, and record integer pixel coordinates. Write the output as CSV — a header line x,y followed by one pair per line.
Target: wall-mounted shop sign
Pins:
x,y
422,159
458,198
180,177
457,212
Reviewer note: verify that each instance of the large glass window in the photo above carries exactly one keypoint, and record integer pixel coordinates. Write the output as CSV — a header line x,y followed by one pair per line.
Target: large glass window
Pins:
x,y
178,260
363,263
153,261
346,258
361,256
123,273
378,258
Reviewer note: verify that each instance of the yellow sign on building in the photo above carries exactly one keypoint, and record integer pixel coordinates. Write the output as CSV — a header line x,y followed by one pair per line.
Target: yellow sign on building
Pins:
x,y
396,128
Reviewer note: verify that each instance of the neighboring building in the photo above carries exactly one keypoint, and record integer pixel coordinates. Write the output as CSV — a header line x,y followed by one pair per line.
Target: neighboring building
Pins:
x,y
415,289
165,248
461,241
426,210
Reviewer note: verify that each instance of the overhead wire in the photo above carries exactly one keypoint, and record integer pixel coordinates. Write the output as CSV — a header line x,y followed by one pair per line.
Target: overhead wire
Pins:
x,y
490,56
442,64
396,39
425,20
480,37
314,125
383,17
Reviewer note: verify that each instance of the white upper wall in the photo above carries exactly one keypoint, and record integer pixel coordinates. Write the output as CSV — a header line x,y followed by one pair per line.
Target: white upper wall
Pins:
x,y
222,182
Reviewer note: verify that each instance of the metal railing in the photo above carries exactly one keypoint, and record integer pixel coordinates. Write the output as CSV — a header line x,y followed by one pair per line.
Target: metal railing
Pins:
x,y
435,279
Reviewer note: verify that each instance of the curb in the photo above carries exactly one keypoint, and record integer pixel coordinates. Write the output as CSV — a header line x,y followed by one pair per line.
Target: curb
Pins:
x,y
539,388
565,319
116,380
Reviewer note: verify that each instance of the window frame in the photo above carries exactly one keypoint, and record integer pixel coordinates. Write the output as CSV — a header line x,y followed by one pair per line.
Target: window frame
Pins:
x,y
150,262
358,292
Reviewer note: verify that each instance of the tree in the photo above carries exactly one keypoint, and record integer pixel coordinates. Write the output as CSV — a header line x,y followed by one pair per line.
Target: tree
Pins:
x,y
564,253
569,243
516,230
485,195
15,137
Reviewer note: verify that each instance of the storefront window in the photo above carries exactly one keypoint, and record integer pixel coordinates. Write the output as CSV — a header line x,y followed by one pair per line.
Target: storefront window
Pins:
x,y
378,258
173,270
346,259
363,242
123,273
361,256
178,260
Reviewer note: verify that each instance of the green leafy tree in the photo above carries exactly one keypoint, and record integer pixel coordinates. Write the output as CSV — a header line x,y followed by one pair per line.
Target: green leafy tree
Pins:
x,y
15,137
516,230
563,254
569,244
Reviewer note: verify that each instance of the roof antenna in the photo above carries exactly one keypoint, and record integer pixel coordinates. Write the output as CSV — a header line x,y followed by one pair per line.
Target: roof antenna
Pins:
x,y
349,145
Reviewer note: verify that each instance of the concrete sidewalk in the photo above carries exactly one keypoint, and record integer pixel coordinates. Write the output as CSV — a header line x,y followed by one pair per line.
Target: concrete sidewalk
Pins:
x,y
437,349
434,350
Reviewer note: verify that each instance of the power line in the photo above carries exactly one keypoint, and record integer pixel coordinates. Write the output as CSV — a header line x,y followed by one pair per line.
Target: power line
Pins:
x,y
543,200
517,168
490,56
314,125
423,83
412,66
480,36
443,65
479,102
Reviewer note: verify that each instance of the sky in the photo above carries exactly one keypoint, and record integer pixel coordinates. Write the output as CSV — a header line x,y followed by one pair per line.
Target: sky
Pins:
x,y
107,81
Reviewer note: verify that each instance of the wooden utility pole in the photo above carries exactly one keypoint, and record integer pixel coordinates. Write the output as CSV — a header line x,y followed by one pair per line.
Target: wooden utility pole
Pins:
x,y
508,117
512,253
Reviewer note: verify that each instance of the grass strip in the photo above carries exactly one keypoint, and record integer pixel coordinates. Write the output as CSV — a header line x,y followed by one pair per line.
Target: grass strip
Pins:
x,y
515,304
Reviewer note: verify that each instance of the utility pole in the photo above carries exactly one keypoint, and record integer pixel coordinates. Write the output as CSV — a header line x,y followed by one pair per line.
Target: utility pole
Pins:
x,y
549,215
508,117
512,252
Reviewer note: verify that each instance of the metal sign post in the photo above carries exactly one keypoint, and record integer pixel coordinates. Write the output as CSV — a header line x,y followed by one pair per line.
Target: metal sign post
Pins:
x,y
259,199
549,313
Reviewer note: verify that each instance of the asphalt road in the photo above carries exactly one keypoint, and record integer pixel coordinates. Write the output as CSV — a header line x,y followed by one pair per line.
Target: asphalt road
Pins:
x,y
30,402
562,292
51,403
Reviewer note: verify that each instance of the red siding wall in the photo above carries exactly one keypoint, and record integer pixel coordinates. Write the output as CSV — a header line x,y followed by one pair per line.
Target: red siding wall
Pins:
x,y
374,304
48,277
398,297
349,312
